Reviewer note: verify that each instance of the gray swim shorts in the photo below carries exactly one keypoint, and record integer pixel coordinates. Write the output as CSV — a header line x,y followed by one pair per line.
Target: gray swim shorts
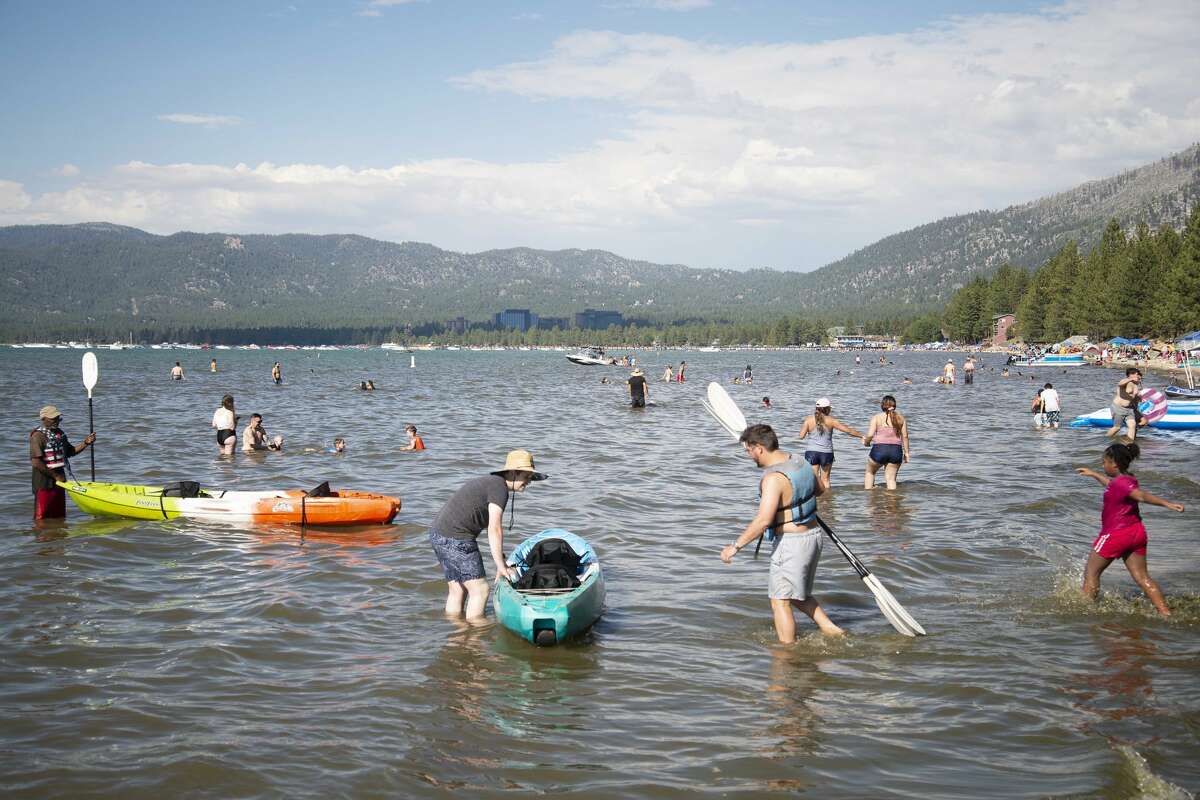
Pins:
x,y
1120,414
794,565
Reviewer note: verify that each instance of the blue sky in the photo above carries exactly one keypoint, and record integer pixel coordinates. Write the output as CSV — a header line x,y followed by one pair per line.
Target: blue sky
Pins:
x,y
711,133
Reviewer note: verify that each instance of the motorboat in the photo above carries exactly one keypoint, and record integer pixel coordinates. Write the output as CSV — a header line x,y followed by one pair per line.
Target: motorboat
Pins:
x,y
591,357
1050,360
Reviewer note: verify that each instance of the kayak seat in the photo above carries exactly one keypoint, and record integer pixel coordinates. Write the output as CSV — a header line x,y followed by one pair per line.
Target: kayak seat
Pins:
x,y
181,489
321,490
550,564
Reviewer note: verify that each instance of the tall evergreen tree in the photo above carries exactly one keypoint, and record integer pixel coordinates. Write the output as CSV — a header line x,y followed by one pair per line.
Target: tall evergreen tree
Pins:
x,y
1063,270
1181,300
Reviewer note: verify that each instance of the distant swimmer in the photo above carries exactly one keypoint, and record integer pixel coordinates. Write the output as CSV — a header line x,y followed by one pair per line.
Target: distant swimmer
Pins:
x,y
857,361
212,365
225,421
748,375
639,391
366,386
819,449
339,446
277,373
415,442
679,375
605,379
1122,534
887,436
907,381
766,402
786,509
668,373
177,372
1004,372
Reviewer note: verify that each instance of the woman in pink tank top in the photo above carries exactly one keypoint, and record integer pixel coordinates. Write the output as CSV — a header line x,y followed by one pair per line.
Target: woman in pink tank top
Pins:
x,y
887,437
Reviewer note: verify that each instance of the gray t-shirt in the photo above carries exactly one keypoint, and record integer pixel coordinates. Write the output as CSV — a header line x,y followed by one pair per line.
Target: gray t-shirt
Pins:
x,y
465,514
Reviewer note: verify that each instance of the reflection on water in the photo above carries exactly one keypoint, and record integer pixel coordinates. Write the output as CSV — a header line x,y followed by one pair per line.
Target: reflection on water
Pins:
x,y
149,659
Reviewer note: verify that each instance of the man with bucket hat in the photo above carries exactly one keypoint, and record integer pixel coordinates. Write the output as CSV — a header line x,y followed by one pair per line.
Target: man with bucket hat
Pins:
x,y
638,390
477,505
49,450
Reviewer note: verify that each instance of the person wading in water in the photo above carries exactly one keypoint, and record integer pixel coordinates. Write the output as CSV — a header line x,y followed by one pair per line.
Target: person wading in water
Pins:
x,y
786,508
819,452
638,390
49,450
478,505
889,432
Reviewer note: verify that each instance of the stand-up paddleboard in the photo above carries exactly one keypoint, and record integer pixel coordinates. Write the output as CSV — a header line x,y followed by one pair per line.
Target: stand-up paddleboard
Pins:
x,y
725,411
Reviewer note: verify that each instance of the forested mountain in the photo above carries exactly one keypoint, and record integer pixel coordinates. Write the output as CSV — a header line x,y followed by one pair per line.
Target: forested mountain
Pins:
x,y
60,279
924,266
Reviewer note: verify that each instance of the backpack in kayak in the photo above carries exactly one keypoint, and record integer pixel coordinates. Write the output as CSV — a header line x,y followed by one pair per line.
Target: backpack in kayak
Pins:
x,y
181,489
550,564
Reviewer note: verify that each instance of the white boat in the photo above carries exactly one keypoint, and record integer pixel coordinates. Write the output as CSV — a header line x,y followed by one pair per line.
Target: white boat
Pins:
x,y
591,357
1051,360
393,346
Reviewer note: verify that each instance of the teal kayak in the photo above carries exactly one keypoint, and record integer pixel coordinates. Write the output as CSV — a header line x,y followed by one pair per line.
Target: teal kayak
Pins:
x,y
551,615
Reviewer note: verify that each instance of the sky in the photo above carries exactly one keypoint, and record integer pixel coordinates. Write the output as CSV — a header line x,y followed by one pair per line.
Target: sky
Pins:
x,y
712,133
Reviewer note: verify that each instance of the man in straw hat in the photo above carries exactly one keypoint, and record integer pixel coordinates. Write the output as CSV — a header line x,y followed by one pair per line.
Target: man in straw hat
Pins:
x,y
638,390
478,504
49,450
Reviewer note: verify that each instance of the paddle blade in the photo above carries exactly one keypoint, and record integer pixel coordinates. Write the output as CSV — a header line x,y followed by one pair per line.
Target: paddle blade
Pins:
x,y
724,424
722,407
91,371
901,620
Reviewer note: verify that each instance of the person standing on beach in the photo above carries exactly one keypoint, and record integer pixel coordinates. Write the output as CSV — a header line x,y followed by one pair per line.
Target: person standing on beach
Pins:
x,y
1124,404
679,375
177,372
887,436
225,421
638,390
49,450
1122,534
969,370
277,373
786,508
819,452
478,505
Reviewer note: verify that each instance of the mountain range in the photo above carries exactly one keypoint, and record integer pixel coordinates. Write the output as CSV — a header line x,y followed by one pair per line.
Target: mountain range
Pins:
x,y
63,278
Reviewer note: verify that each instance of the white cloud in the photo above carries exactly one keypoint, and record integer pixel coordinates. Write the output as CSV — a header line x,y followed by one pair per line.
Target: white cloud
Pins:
x,y
375,7
784,154
661,5
205,120
66,171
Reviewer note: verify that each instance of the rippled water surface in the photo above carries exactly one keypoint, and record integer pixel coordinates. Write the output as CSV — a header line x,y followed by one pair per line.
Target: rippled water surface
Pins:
x,y
146,659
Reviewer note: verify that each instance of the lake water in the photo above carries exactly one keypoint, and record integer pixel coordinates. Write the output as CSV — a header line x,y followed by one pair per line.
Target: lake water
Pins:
x,y
150,660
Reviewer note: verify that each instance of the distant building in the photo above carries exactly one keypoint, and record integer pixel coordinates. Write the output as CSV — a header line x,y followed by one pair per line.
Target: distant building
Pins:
x,y
457,325
521,319
596,320
1000,325
547,323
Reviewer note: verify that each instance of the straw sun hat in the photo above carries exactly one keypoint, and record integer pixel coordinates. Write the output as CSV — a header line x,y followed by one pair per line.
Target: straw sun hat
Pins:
x,y
520,461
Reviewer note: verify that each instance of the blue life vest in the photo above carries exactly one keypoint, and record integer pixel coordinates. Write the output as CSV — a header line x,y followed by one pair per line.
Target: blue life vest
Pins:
x,y
804,495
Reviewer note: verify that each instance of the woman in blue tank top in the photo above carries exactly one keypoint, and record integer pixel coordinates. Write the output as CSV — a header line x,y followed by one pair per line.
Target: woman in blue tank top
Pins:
x,y
819,449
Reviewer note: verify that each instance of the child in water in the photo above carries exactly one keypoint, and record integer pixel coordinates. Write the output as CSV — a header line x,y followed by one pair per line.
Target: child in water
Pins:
x,y
339,446
1122,534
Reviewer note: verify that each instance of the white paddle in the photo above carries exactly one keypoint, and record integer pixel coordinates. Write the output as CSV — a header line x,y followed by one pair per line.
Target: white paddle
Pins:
x,y
91,374
725,411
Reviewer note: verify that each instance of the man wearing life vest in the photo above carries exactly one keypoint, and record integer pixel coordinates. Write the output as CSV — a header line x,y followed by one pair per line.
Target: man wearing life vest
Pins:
x,y
49,450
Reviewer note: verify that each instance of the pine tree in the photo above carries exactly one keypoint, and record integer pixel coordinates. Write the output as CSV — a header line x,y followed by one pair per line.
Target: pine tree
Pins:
x,y
1180,311
1062,271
